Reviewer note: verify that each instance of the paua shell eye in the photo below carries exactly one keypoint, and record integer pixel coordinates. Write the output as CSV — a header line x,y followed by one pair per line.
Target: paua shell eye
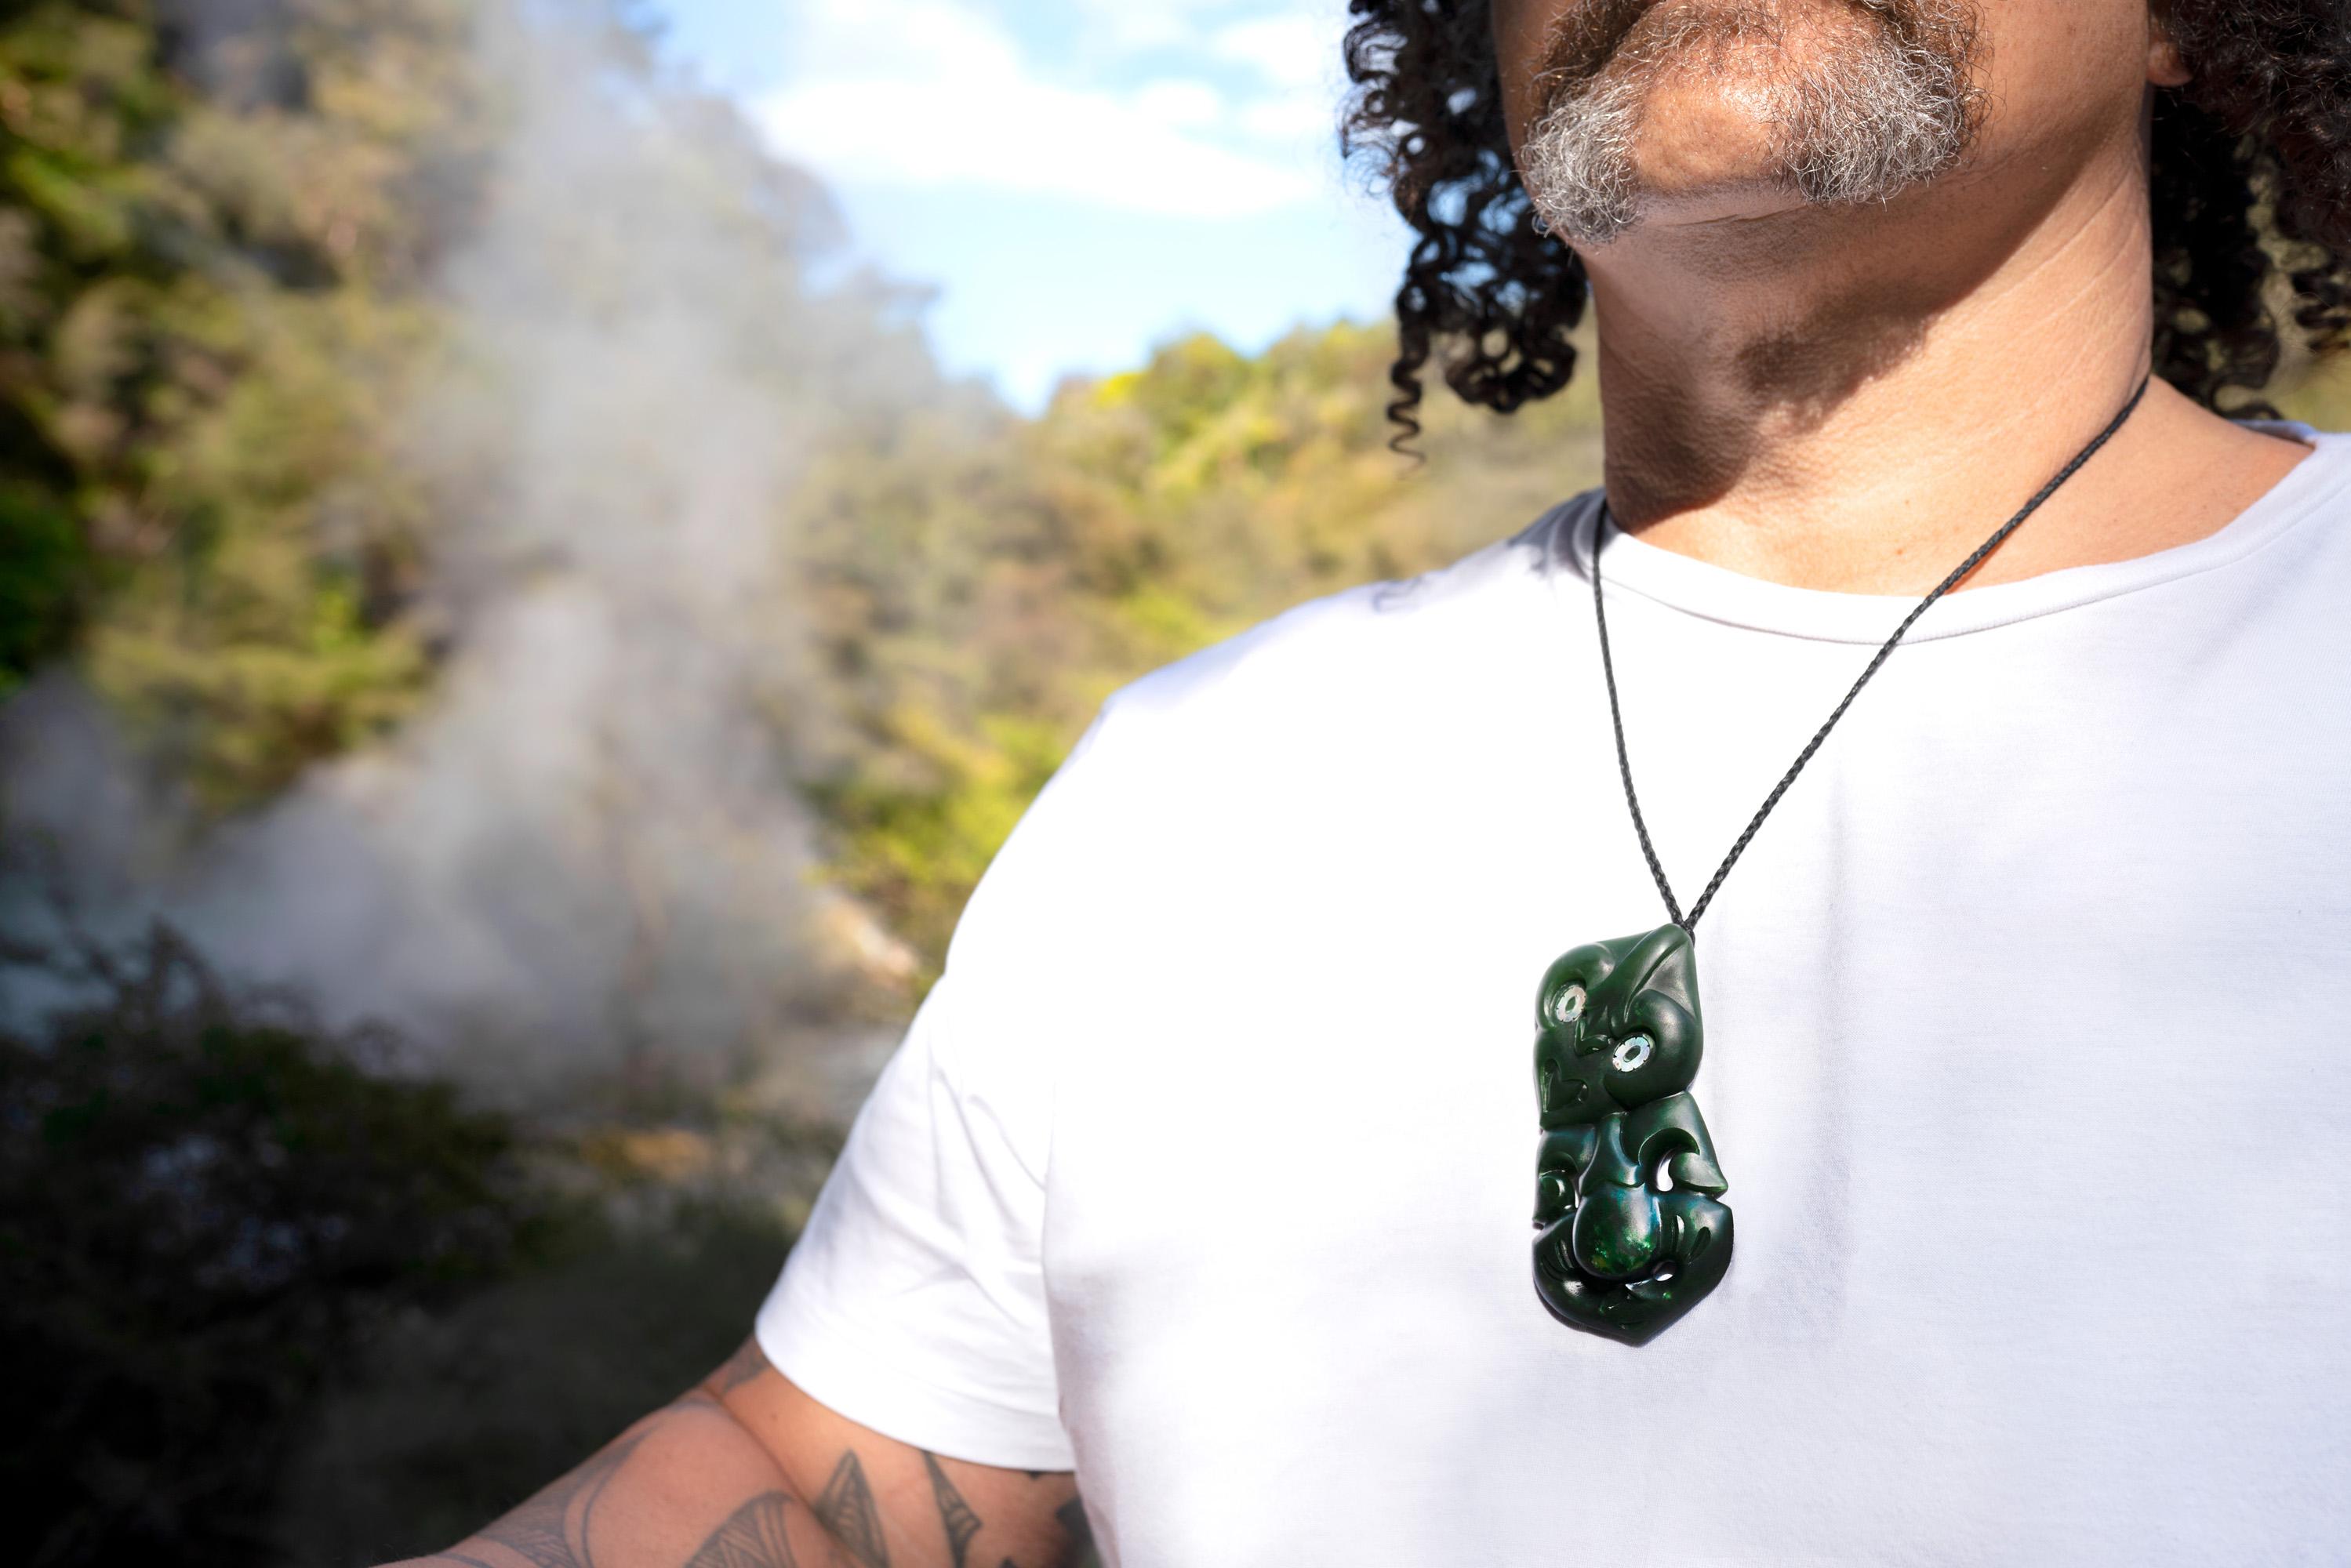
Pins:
x,y
1567,1006
1632,1053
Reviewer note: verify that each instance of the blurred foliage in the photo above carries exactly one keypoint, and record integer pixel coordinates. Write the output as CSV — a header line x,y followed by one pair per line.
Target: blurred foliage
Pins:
x,y
2322,399
449,1419
216,223
200,1198
262,1300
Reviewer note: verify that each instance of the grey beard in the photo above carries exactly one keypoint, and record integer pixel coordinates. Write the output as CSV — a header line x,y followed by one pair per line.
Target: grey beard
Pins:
x,y
1863,122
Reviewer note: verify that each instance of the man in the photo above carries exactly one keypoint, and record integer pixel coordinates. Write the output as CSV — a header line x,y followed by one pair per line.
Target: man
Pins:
x,y
1204,1173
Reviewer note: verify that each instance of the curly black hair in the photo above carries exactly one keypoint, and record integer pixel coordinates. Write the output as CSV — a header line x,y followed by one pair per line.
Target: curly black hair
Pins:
x,y
2252,183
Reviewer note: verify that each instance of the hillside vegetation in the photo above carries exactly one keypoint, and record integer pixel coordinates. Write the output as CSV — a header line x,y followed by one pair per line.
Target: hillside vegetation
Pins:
x,y
212,249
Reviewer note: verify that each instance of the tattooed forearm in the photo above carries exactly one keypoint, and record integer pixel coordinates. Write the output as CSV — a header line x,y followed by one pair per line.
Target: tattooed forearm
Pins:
x,y
847,1511
732,1465
752,1537
956,1517
551,1530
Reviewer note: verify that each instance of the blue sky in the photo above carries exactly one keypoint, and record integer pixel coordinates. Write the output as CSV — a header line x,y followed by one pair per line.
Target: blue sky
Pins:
x,y
1079,179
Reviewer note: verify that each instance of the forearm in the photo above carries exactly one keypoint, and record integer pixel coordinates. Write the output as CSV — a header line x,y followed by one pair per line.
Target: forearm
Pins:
x,y
746,1472
685,1485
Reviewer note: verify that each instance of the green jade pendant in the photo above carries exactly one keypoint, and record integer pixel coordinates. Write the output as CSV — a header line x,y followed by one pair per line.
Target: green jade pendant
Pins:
x,y
1632,1232
1631,1228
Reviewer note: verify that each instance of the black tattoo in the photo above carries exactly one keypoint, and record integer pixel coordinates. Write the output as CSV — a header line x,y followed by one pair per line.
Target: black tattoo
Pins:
x,y
960,1519
746,1364
846,1507
550,1531
752,1537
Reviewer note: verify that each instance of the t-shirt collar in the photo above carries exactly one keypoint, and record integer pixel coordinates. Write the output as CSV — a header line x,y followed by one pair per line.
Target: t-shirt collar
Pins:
x,y
2320,482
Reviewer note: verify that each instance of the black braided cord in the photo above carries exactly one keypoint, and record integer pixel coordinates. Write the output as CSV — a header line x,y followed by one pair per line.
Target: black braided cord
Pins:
x,y
1958,574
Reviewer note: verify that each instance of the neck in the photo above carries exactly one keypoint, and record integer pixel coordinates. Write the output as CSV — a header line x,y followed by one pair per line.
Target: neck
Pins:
x,y
1851,400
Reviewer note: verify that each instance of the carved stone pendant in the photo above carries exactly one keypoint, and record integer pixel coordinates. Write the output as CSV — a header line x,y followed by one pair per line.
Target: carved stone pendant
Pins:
x,y
1632,1234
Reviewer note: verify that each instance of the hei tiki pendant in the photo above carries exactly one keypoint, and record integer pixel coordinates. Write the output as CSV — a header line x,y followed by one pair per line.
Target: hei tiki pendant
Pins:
x,y
1633,1233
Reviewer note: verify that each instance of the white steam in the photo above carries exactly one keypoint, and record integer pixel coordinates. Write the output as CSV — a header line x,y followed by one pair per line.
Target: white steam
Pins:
x,y
587,857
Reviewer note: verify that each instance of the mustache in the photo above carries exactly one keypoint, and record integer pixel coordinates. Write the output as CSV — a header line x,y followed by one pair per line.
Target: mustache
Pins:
x,y
1584,40
1590,37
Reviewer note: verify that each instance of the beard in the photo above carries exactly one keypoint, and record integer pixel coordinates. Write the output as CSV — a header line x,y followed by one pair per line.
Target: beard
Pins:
x,y
1876,97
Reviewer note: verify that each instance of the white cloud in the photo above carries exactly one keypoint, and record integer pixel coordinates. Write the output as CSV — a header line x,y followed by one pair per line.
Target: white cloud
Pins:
x,y
934,93
1295,49
1180,102
1147,24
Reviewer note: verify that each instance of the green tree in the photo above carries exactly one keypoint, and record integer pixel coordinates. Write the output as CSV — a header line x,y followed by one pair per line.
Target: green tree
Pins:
x,y
214,243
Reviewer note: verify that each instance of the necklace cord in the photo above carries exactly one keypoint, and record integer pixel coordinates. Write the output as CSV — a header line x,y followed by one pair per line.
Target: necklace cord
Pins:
x,y
1958,574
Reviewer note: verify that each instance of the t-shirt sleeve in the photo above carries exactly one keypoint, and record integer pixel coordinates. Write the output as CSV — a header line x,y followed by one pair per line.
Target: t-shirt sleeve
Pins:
x,y
914,1301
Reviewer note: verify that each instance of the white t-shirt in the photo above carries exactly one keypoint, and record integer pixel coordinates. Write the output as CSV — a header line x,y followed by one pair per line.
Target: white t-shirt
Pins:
x,y
1208,1168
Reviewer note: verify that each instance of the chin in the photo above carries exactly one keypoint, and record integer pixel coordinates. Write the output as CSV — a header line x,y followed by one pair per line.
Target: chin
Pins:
x,y
1695,120
1708,139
